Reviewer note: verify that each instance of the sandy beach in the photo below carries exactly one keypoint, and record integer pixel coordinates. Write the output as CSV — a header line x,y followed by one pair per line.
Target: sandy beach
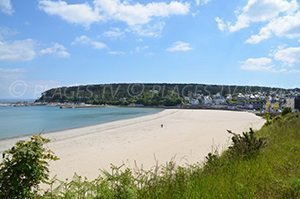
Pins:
x,y
186,136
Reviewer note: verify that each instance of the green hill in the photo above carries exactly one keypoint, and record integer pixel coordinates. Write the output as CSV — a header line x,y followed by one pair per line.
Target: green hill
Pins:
x,y
146,94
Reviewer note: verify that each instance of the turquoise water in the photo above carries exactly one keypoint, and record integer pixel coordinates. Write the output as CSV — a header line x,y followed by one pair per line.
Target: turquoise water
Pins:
x,y
18,121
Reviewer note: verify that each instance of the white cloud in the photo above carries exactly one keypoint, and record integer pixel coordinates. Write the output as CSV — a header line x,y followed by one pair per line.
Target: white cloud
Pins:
x,y
202,2
206,1
139,49
285,26
221,24
114,33
261,11
19,50
136,13
149,30
263,34
179,46
133,14
57,50
289,56
257,64
283,59
116,53
6,7
28,49
88,41
82,14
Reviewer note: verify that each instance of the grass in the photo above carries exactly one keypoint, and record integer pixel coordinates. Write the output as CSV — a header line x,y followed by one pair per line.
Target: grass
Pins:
x,y
272,172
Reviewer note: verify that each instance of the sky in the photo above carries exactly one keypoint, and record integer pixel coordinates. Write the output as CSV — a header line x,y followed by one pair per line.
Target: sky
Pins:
x,y
51,43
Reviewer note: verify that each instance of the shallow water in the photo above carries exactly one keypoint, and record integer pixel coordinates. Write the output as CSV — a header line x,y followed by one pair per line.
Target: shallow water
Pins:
x,y
18,121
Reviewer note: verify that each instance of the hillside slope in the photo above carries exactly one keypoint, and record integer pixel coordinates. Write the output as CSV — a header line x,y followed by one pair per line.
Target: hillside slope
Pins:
x,y
262,165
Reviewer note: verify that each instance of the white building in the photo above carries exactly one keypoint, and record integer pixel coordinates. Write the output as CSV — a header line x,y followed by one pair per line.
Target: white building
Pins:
x,y
218,99
194,102
207,100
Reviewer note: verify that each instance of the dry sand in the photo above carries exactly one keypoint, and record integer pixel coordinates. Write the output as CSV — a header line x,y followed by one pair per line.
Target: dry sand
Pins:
x,y
187,136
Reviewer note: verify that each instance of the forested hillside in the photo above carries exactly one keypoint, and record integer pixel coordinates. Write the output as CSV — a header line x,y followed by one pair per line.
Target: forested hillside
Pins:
x,y
146,94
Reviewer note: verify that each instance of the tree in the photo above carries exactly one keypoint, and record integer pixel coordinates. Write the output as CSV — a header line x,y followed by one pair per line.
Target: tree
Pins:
x,y
276,106
24,167
268,106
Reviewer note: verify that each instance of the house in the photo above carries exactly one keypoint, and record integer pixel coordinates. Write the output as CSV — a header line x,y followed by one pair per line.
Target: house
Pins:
x,y
297,103
240,96
207,100
218,99
293,102
194,102
258,105
229,97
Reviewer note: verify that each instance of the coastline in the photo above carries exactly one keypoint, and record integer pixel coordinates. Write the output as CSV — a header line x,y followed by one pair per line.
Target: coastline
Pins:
x,y
85,123
187,136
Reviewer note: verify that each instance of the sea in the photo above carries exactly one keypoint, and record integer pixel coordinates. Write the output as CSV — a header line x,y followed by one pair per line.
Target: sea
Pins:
x,y
28,120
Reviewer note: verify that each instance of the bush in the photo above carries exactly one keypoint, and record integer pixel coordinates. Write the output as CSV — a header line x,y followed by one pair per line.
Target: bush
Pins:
x,y
212,159
286,110
268,119
245,145
24,167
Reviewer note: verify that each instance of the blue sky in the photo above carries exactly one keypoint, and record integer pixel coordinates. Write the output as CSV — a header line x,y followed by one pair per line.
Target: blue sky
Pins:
x,y
49,43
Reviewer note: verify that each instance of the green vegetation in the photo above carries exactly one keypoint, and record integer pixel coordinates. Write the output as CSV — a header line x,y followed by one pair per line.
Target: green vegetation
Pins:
x,y
146,94
263,164
286,110
245,145
24,167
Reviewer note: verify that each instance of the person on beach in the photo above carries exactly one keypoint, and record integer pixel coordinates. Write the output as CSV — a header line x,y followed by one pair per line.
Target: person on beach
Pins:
x,y
162,125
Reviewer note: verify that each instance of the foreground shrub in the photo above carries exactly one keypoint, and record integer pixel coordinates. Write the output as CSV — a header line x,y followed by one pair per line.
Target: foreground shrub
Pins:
x,y
212,159
24,167
268,119
245,145
286,110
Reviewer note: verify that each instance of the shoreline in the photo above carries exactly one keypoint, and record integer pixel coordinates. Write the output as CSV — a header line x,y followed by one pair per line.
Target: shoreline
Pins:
x,y
187,136
28,135
48,134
